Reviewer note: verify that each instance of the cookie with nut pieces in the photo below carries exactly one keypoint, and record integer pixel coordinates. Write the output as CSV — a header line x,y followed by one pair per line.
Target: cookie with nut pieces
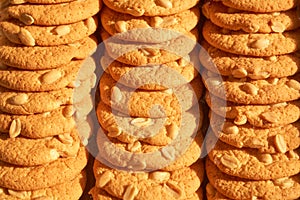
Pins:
x,y
68,190
31,152
251,164
56,14
263,116
181,183
38,58
250,22
153,77
227,64
34,35
245,91
42,176
139,103
238,188
256,44
150,8
114,22
246,135
141,53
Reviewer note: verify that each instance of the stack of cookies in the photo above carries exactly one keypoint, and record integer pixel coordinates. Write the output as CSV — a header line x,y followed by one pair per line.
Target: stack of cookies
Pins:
x,y
252,75
149,141
45,79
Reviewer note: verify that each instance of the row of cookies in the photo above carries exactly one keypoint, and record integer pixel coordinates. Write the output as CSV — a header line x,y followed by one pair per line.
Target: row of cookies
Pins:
x,y
45,78
149,141
251,60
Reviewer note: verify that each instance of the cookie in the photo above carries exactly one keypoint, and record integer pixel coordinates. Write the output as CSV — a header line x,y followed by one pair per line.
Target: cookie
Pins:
x,y
150,8
138,103
245,91
213,194
55,14
137,53
42,176
38,58
56,122
237,188
16,2
42,80
159,77
114,22
261,6
33,35
130,130
256,44
249,163
68,190
263,116
238,66
30,152
263,139
158,157
178,184
250,22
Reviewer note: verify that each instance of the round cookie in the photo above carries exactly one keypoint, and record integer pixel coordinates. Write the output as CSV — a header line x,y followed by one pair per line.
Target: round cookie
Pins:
x,y
261,6
138,103
31,152
185,158
177,184
250,22
250,163
68,190
38,58
114,22
238,66
138,53
33,35
185,69
237,188
55,14
243,91
263,139
42,176
256,44
263,116
151,7
56,122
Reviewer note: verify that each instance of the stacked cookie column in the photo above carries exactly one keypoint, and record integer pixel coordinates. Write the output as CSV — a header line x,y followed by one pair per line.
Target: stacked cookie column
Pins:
x,y
44,50
253,82
149,141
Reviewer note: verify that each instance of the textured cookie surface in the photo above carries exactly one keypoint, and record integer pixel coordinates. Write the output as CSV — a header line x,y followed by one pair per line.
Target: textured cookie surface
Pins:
x,y
159,185
16,2
261,6
139,103
264,116
114,22
68,190
33,35
251,164
42,176
238,66
256,44
153,77
213,194
263,139
237,188
30,152
232,19
137,53
150,8
245,91
55,14
37,58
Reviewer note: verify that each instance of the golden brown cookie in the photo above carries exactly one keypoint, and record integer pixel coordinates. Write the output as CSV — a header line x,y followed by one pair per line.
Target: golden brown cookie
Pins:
x,y
256,44
213,194
237,188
